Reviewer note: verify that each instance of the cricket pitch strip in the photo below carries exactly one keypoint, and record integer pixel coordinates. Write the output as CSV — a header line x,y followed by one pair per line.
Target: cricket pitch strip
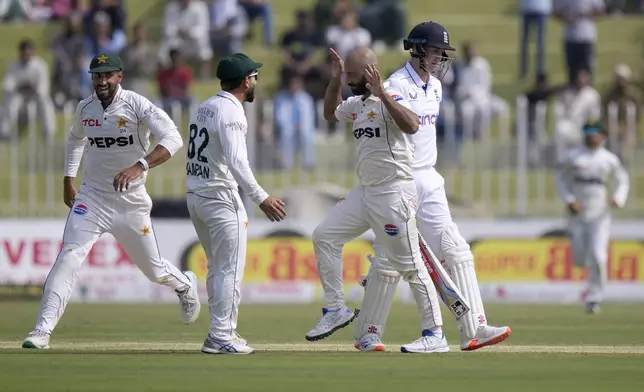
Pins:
x,y
319,347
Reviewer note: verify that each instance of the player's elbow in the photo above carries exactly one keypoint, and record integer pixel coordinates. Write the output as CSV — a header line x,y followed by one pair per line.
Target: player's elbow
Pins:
x,y
329,115
413,124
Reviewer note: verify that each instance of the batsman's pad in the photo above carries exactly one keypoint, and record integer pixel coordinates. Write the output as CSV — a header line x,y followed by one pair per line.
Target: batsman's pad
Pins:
x,y
459,263
445,287
378,297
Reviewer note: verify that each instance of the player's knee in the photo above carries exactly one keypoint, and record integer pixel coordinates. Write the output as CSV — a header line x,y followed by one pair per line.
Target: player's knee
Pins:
x,y
321,236
454,247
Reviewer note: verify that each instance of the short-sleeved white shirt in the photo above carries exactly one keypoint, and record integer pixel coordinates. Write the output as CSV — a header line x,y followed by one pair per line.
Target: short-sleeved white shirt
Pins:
x,y
385,152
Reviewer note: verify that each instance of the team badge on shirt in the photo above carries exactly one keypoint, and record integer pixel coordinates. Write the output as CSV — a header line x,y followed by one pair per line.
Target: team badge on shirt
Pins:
x,y
397,97
121,122
145,230
371,115
392,230
80,209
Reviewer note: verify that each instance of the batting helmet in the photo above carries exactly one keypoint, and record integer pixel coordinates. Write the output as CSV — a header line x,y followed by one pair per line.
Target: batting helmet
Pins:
x,y
430,35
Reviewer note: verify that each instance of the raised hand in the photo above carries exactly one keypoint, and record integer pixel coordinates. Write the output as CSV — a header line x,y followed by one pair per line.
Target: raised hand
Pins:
x,y
337,64
374,81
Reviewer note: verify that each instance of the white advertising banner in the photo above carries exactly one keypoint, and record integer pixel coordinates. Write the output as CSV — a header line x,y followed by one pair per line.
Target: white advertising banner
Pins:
x,y
517,261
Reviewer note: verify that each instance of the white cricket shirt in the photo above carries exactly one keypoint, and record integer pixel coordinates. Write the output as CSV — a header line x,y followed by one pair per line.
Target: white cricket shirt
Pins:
x,y
424,100
216,149
583,175
385,152
116,138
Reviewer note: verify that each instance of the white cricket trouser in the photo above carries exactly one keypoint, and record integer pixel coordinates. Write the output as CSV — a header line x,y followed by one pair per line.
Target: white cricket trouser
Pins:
x,y
127,217
589,240
220,219
389,211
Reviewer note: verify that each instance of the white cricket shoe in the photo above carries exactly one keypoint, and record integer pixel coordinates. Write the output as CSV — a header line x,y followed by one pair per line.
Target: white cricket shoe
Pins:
x,y
331,321
370,342
593,308
237,346
427,344
36,339
486,335
189,300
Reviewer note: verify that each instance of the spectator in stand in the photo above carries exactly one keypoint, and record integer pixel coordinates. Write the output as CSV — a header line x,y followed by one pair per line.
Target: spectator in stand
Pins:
x,y
186,25
329,12
386,21
113,8
576,105
622,97
136,60
298,47
260,9
68,49
61,9
541,93
174,84
347,36
228,26
535,15
295,123
474,93
580,33
27,80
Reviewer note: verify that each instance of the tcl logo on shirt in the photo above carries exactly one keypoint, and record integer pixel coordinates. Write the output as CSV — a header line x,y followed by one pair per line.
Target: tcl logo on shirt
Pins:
x,y
366,132
108,142
91,122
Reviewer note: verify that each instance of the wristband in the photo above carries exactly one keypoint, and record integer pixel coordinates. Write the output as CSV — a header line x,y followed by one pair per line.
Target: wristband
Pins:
x,y
144,163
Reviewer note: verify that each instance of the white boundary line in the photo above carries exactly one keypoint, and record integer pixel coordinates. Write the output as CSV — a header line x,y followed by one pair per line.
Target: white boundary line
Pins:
x,y
323,347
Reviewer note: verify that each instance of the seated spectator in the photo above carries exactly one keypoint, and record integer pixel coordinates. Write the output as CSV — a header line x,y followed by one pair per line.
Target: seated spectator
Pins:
x,y
114,9
623,97
295,123
27,80
474,93
68,49
449,127
576,105
329,12
347,36
260,9
540,93
61,9
102,39
228,26
298,47
386,21
186,25
174,83
136,61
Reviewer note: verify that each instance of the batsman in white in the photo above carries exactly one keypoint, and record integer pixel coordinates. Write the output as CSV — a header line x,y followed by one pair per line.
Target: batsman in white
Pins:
x,y
217,166
113,126
581,183
385,199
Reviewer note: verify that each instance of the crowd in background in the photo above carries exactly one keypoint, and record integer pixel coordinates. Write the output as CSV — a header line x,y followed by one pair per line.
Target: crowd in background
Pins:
x,y
198,32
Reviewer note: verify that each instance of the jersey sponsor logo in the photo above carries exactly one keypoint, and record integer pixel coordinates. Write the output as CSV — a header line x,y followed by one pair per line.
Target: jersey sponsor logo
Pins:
x,y
92,122
108,142
413,96
80,209
428,119
391,229
397,97
236,125
354,116
366,132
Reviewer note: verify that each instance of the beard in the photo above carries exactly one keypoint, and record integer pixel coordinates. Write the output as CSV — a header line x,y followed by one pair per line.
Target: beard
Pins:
x,y
359,88
250,95
104,92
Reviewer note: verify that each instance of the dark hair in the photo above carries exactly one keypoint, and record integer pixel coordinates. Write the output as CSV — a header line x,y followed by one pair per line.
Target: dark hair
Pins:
x,y
229,85
542,77
26,43
174,52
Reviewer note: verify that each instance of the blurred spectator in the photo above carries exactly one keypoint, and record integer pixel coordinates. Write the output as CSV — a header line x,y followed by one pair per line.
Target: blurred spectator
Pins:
x,y
174,83
540,93
329,12
260,9
474,93
298,47
580,33
449,126
60,9
27,80
576,105
622,97
385,20
136,60
228,26
347,36
186,26
102,39
295,123
535,14
114,9
68,49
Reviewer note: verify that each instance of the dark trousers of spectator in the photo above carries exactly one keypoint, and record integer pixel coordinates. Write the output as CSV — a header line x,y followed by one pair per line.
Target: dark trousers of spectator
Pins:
x,y
579,55
530,22
385,21
263,11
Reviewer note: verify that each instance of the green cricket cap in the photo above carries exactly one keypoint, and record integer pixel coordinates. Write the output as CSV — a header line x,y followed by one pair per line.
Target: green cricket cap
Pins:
x,y
105,62
235,66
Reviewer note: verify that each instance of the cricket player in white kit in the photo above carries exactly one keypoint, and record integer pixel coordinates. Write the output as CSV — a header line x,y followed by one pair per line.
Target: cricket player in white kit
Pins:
x,y
113,127
217,166
581,184
385,199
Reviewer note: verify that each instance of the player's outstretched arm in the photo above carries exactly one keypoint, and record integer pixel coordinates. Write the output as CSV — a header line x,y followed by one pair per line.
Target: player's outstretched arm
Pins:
x,y
332,96
562,185
74,153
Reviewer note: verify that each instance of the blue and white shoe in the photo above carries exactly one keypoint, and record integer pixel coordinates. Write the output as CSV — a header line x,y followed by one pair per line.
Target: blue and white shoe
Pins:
x,y
426,344
331,321
237,346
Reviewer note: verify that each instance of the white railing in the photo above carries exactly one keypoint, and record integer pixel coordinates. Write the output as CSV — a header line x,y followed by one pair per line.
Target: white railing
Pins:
x,y
506,171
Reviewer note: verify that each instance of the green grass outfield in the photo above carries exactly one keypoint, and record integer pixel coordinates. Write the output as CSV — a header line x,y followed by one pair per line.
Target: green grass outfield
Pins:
x,y
145,348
